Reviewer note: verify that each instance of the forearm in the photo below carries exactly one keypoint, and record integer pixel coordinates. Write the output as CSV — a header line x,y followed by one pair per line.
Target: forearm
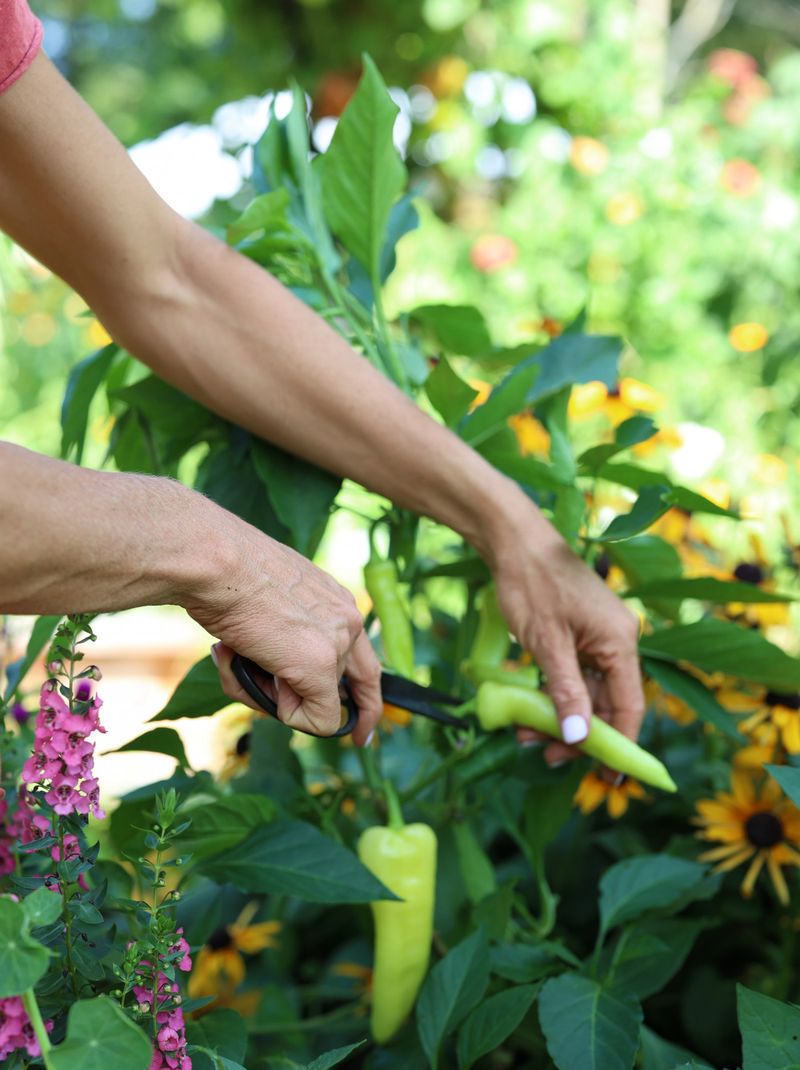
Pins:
x,y
74,540
235,339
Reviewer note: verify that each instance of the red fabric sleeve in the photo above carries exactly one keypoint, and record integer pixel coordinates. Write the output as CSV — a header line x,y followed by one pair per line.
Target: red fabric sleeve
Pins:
x,y
20,40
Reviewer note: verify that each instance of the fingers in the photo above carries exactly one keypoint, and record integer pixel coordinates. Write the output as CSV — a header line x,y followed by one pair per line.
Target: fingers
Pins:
x,y
626,693
567,688
222,656
364,676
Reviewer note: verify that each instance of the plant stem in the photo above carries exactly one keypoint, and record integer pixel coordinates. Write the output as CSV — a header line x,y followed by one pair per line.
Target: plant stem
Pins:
x,y
395,367
31,1006
67,916
395,812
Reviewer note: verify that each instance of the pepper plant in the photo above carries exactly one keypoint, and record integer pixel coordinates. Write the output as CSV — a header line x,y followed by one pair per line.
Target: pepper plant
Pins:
x,y
510,929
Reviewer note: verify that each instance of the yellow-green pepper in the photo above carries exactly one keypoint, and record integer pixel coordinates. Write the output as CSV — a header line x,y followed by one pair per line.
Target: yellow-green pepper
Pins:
x,y
380,579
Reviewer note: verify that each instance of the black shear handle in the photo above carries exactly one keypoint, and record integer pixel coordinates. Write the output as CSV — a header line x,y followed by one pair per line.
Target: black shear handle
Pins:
x,y
245,672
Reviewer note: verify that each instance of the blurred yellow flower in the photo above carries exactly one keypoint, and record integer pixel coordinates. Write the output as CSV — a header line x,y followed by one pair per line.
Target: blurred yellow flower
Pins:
x,y
98,335
447,78
587,398
778,717
394,716
759,827
532,436
669,705
624,208
769,469
219,967
483,389
668,438
748,337
593,791
39,329
589,156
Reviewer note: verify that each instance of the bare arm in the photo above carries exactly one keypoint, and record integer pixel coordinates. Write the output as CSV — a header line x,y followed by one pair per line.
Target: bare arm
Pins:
x,y
230,335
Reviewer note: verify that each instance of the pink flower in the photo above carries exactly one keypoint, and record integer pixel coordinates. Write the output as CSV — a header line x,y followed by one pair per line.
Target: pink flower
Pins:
x,y
16,1032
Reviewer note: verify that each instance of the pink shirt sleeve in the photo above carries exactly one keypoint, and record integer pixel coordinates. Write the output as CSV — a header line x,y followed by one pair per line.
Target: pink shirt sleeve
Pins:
x,y
20,40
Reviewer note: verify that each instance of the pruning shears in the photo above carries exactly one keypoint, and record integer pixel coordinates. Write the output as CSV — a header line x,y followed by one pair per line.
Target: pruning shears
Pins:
x,y
396,690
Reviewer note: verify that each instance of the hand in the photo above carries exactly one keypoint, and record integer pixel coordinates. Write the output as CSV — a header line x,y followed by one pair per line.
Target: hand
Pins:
x,y
580,634
294,620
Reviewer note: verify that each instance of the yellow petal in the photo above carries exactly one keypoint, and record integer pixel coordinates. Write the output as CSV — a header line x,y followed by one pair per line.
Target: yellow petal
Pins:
x,y
255,938
742,788
717,853
791,733
735,860
750,879
617,802
778,879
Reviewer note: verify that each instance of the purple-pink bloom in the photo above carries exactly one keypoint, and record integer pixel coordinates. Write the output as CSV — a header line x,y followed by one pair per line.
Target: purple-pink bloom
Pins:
x,y
16,1031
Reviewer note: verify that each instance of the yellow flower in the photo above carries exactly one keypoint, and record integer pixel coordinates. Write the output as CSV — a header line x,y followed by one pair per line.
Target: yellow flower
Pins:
x,y
394,716
219,967
483,389
236,728
666,437
748,337
669,705
531,435
624,208
777,718
593,791
587,398
759,827
589,156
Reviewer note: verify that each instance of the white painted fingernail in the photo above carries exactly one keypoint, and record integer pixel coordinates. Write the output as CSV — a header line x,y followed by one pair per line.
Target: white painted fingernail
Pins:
x,y
573,728
215,655
368,740
531,743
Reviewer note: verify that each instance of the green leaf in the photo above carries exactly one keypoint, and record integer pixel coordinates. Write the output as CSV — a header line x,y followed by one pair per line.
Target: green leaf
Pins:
x,y
502,450
42,907
459,329
40,636
587,1025
403,218
575,358
220,825
695,694
229,476
222,1031
485,1029
82,385
636,478
506,399
628,433
707,589
362,173
334,1057
647,882
720,646
528,962
692,502
448,393
264,214
770,1031
788,777
288,857
453,988
179,421
157,741
301,493
648,954
645,557
648,507
548,807
23,960
659,1054
199,694
100,1035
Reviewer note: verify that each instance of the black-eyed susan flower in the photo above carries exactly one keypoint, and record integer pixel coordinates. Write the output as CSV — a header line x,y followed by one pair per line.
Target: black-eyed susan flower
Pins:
x,y
532,436
669,705
593,791
219,966
777,718
759,826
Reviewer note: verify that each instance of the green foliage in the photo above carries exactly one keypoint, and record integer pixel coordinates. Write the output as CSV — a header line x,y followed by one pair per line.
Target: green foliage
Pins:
x,y
100,1035
588,1024
23,960
455,986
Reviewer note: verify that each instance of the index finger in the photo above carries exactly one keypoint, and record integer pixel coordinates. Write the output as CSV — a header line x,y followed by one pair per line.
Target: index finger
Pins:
x,y
364,676
626,694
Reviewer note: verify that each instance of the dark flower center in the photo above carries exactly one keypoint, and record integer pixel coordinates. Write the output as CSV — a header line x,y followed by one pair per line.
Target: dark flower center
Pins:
x,y
763,830
243,745
748,572
602,566
783,698
219,940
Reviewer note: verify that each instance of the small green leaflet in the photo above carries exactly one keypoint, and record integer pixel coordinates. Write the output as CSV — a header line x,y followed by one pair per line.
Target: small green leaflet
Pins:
x,y
489,1024
648,507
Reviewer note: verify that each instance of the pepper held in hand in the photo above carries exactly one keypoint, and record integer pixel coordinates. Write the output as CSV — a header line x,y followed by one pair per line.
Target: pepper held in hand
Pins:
x,y
403,857
380,579
501,705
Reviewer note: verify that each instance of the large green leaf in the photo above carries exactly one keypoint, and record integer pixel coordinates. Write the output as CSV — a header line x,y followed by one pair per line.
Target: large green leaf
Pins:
x,y
459,329
636,478
658,1054
264,213
82,385
362,173
229,476
507,398
649,953
40,636
575,358
288,857
695,694
770,1031
720,646
454,987
448,393
645,558
220,825
485,1029
42,907
223,1032
301,493
333,1058
588,1026
707,589
100,1035
647,882
788,776
177,420
197,695
157,741
23,960
647,508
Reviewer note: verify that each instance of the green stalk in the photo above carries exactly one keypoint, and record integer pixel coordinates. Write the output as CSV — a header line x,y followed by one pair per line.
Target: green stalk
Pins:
x,y
31,1006
393,807
395,367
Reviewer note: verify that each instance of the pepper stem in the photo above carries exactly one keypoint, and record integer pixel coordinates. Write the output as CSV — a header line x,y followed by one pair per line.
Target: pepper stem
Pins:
x,y
395,812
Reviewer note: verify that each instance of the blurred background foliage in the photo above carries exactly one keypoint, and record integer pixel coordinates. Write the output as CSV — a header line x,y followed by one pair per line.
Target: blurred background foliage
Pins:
x,y
630,157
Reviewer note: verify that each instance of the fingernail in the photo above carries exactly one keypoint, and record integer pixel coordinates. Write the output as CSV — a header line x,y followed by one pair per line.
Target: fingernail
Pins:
x,y
557,763
531,743
574,728
368,740
215,654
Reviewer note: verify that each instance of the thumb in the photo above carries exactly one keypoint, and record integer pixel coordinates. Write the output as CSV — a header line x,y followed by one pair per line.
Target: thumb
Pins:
x,y
317,709
567,688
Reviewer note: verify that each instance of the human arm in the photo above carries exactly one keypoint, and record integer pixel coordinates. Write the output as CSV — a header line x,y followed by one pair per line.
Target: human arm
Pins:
x,y
180,300
74,540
